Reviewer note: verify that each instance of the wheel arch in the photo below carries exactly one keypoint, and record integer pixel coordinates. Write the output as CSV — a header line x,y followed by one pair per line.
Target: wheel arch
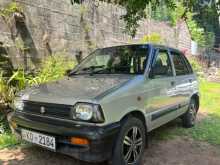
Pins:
x,y
196,97
138,114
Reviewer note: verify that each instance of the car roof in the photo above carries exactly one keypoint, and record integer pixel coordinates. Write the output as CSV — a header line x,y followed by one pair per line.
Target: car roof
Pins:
x,y
151,45
166,47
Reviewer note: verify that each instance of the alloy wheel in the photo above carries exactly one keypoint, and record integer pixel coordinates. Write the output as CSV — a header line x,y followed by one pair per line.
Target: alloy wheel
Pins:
x,y
192,111
132,145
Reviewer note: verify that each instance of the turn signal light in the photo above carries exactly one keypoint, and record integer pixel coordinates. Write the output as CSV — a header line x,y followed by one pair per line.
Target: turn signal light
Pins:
x,y
79,141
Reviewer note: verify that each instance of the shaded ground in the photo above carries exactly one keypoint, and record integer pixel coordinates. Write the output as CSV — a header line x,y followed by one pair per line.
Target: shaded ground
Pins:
x,y
180,151
175,151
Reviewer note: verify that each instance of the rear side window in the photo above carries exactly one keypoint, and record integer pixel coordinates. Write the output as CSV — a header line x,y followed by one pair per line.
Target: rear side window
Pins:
x,y
188,65
180,64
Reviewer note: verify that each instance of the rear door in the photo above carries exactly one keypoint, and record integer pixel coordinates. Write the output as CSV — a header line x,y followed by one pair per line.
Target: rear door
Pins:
x,y
161,104
184,78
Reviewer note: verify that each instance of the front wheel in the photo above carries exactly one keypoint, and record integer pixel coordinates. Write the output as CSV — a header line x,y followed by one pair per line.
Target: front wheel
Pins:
x,y
189,118
130,144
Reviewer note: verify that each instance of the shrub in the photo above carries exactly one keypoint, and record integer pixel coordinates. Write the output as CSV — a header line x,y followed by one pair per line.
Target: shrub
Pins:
x,y
197,67
6,92
197,32
6,97
52,68
18,79
10,9
152,38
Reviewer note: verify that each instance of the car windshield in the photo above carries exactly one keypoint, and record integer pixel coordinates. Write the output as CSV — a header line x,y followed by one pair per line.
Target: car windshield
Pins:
x,y
115,60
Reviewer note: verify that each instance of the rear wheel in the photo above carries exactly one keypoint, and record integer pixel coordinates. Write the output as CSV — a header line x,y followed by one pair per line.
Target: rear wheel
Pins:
x,y
130,143
189,118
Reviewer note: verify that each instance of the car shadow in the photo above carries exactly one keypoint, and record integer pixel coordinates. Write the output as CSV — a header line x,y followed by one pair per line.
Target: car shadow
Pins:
x,y
165,130
34,155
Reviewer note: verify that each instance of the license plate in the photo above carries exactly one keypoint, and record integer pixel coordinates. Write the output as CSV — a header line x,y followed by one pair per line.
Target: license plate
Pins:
x,y
40,139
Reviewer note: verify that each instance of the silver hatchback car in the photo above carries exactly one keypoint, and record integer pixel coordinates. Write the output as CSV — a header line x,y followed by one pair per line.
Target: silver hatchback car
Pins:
x,y
105,107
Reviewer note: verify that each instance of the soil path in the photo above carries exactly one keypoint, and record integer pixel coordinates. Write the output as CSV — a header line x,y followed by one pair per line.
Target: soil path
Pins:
x,y
179,151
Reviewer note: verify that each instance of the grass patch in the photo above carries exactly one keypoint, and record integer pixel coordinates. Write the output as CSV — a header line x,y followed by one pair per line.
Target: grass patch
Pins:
x,y
7,140
210,97
208,129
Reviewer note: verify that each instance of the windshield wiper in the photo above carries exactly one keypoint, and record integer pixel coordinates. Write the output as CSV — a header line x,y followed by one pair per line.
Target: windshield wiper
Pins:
x,y
109,69
90,68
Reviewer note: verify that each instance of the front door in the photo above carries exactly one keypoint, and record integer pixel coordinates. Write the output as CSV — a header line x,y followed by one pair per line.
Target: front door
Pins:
x,y
161,103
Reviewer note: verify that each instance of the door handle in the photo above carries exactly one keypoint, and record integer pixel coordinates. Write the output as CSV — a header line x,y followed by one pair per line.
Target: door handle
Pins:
x,y
172,83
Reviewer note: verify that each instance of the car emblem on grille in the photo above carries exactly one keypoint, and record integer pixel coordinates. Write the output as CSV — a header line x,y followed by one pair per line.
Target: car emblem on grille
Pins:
x,y
42,110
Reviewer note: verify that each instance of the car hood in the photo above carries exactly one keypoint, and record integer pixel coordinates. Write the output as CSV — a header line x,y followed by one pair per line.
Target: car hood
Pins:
x,y
72,89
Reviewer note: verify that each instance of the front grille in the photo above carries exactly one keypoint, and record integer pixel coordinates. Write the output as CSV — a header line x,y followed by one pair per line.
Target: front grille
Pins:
x,y
50,109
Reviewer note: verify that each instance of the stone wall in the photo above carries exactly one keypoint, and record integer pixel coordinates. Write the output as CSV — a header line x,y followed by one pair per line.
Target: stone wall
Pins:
x,y
57,25
183,37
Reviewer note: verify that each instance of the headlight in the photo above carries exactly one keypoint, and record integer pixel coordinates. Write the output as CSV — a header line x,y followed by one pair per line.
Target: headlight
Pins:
x,y
18,104
87,112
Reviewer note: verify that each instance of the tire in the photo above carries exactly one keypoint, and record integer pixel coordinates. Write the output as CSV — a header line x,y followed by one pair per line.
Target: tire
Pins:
x,y
126,150
189,118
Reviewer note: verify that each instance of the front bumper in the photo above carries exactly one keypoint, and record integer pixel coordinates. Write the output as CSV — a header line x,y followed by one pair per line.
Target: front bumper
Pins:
x,y
101,138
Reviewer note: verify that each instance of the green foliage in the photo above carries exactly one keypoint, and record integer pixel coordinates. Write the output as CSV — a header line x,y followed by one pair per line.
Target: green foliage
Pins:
x,y
6,97
197,33
177,14
136,11
10,9
6,92
132,19
19,78
163,13
197,67
210,39
7,140
200,25
207,17
151,38
53,68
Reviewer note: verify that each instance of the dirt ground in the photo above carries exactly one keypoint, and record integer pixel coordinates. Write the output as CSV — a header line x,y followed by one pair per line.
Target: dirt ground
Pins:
x,y
180,151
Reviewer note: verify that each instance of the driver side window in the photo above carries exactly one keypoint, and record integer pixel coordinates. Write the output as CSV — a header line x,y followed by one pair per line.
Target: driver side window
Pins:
x,y
161,66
